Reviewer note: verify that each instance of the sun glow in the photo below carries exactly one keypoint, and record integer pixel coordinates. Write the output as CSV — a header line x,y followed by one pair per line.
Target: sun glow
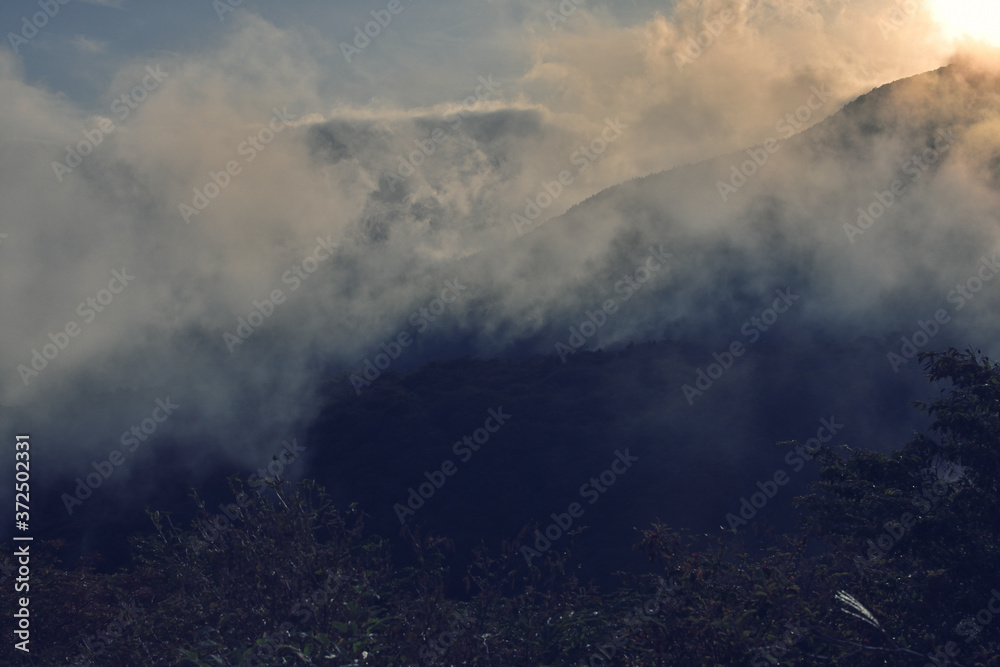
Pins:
x,y
978,19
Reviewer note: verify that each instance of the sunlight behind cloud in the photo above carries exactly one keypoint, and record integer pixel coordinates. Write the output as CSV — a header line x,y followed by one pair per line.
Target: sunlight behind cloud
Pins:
x,y
968,18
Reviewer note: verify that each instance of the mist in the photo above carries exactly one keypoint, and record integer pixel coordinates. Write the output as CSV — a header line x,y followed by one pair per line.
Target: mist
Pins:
x,y
229,226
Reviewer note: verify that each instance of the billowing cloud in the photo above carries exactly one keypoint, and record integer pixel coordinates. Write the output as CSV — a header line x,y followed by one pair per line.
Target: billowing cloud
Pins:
x,y
221,177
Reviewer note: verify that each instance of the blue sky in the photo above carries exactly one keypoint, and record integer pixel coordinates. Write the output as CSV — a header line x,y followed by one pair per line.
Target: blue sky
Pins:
x,y
80,49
